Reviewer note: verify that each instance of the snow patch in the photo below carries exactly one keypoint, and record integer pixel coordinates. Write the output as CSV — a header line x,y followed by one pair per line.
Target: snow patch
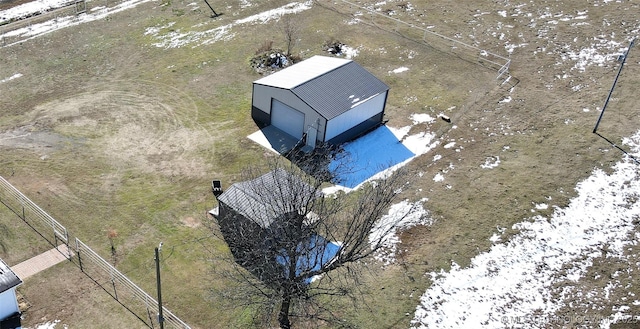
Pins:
x,y
514,279
401,216
15,76
491,162
177,38
541,206
36,30
349,52
48,325
422,118
449,145
399,70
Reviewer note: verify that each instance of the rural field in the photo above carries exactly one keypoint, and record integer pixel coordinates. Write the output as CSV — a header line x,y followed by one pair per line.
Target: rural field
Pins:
x,y
115,122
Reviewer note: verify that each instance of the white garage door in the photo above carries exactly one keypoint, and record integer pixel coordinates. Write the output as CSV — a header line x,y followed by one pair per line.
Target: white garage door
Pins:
x,y
287,119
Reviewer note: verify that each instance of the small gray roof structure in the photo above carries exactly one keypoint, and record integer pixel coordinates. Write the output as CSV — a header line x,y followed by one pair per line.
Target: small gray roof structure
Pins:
x,y
329,85
269,196
8,279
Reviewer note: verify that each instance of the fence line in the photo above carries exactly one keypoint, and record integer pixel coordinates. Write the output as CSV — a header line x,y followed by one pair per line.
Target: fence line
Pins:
x,y
31,213
88,257
65,13
497,62
14,24
123,290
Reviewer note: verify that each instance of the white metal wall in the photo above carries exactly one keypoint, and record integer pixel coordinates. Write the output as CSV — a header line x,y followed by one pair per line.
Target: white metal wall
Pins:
x,y
287,119
264,96
8,303
262,99
355,116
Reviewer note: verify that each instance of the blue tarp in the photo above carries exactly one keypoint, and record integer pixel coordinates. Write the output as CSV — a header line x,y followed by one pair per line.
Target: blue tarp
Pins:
x,y
368,155
313,254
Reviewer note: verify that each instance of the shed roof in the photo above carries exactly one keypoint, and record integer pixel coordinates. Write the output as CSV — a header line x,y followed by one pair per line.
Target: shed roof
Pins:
x,y
302,72
8,279
330,85
267,197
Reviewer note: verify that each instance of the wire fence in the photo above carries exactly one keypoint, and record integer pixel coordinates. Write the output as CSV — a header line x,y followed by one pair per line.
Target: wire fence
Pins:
x,y
38,219
68,13
17,29
426,36
136,300
116,284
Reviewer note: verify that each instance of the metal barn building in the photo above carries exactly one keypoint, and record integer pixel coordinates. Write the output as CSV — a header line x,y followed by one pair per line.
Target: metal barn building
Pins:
x,y
9,309
321,99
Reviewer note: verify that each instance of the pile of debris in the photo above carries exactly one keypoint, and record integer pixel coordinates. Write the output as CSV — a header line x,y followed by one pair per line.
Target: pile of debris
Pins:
x,y
334,47
271,61
268,60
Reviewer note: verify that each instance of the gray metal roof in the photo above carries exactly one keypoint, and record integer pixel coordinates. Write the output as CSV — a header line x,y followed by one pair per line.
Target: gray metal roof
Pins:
x,y
8,279
267,197
330,85
340,90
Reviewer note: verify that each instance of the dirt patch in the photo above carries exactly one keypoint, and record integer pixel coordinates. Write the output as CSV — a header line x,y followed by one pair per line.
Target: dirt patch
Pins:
x,y
30,137
133,129
191,222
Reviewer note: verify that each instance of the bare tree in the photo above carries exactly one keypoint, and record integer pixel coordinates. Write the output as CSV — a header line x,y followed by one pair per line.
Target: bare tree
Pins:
x,y
291,29
294,244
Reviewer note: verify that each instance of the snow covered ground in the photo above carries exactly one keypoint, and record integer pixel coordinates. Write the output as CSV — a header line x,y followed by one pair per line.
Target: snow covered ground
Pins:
x,y
196,36
30,9
505,286
39,29
515,283
401,216
49,325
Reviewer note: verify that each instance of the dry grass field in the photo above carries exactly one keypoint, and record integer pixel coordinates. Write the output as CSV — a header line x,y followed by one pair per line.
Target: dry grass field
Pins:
x,y
119,124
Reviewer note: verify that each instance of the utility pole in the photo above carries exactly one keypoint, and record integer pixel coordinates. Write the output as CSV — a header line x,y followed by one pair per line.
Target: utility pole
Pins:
x,y
214,12
622,58
160,317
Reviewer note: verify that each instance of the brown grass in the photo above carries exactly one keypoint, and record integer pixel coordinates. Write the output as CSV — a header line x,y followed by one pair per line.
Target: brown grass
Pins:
x,y
133,134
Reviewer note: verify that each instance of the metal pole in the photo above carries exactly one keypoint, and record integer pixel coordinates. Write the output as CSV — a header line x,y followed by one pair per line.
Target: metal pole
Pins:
x,y
160,317
214,12
79,257
624,59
